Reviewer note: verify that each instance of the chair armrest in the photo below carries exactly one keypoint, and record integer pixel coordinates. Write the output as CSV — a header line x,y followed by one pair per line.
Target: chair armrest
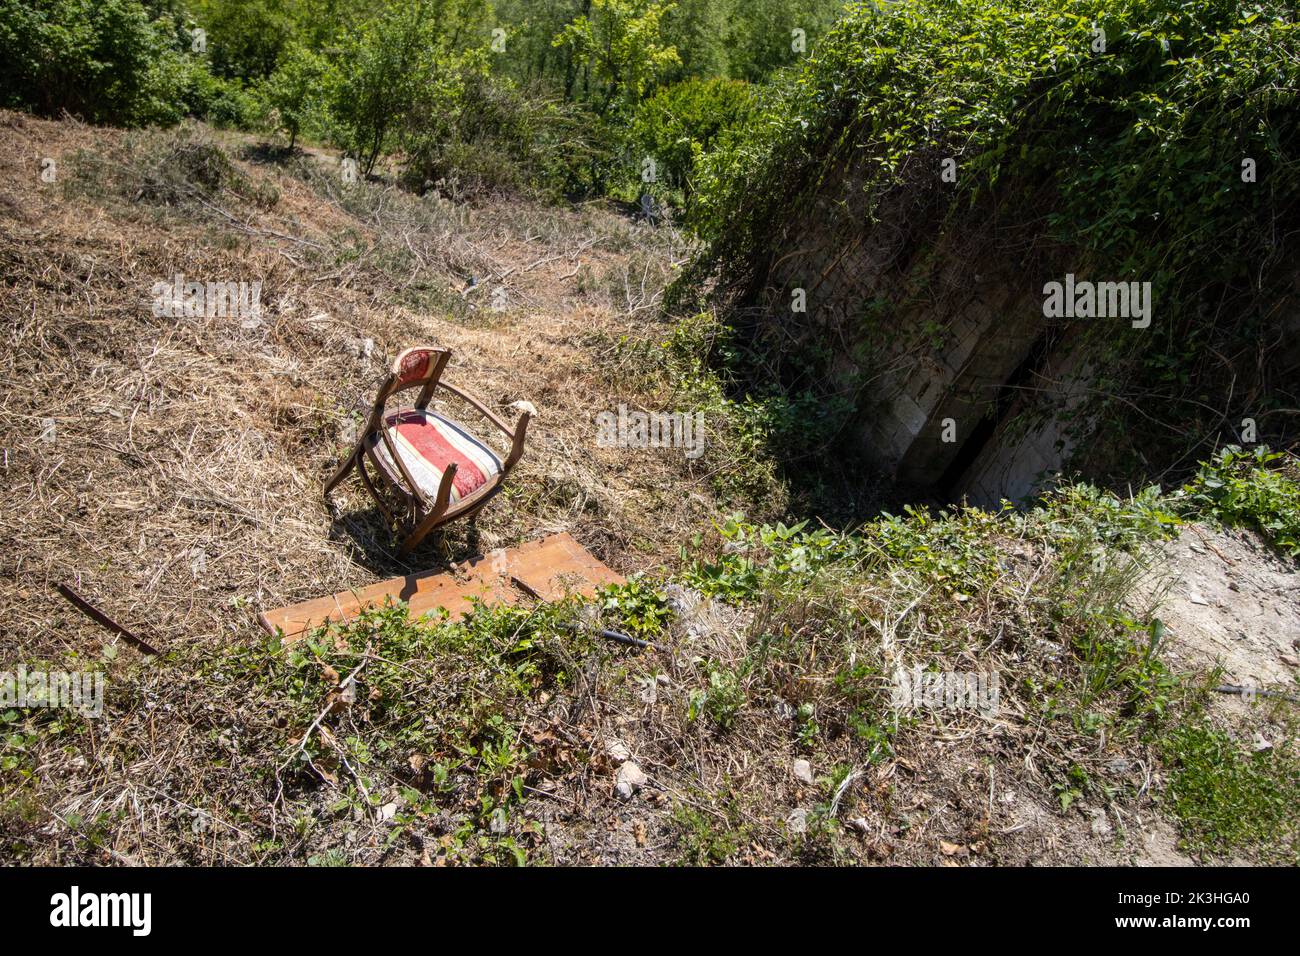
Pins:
x,y
490,415
517,442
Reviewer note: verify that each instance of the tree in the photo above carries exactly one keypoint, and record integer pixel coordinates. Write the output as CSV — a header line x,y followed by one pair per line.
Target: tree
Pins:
x,y
698,29
245,37
380,66
104,60
297,88
398,70
619,46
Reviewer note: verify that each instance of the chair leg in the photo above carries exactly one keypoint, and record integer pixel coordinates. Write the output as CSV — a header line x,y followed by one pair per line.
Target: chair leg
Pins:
x,y
431,521
436,514
342,473
374,492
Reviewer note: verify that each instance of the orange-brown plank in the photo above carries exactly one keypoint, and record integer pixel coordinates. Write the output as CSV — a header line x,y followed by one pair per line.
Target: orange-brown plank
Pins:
x,y
552,567
562,567
422,592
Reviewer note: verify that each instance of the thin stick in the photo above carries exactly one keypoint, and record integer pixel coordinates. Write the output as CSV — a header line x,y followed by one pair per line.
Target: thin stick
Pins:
x,y
99,617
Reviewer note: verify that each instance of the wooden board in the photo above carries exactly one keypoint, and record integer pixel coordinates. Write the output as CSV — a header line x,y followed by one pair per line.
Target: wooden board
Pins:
x,y
547,569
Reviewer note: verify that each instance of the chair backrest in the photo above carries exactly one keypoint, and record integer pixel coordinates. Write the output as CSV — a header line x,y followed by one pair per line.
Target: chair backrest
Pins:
x,y
417,367
414,365
420,366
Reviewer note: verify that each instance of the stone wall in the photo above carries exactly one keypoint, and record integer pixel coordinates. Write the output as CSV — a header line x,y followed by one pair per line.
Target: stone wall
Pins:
x,y
961,316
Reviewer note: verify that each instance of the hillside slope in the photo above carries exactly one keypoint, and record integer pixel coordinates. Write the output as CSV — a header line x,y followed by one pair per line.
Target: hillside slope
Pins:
x,y
171,469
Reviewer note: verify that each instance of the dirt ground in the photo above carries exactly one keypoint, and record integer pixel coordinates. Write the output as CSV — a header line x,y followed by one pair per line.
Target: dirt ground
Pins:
x,y
1228,600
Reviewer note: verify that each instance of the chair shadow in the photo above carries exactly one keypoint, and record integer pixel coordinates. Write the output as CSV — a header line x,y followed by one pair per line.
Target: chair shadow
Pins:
x,y
375,548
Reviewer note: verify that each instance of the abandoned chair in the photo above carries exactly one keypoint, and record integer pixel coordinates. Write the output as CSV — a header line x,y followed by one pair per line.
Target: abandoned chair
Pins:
x,y
436,469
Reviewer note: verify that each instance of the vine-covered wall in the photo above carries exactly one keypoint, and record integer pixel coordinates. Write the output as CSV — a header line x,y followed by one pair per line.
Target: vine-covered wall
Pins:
x,y
891,223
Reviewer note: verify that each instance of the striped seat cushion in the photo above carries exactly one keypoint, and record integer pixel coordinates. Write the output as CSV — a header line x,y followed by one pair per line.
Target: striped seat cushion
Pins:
x,y
427,444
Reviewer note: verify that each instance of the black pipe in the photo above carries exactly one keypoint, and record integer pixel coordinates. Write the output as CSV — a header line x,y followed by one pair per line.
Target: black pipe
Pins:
x,y
616,636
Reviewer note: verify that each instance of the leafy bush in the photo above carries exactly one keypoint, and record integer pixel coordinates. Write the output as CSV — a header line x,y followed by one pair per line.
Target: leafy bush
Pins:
x,y
1083,512
482,134
769,559
682,122
219,101
1256,489
103,60
1016,88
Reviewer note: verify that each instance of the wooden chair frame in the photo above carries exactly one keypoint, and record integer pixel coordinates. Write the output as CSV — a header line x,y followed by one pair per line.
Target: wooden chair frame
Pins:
x,y
422,367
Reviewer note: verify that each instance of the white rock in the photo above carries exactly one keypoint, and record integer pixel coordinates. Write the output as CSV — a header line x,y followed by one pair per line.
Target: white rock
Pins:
x,y
649,691
1100,823
797,821
803,771
629,780
616,750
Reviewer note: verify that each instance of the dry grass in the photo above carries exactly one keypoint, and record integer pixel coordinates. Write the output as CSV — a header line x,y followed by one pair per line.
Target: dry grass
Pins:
x,y
171,468
181,479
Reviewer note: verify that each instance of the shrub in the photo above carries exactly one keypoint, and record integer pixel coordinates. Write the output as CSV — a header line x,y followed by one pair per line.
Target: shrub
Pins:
x,y
682,122
104,61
